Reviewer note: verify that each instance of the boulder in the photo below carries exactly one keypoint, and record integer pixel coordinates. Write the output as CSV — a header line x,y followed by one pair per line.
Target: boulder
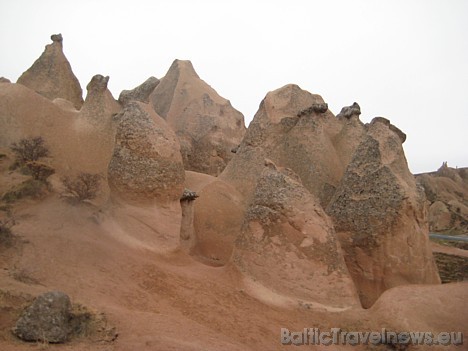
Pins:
x,y
380,216
52,76
146,165
286,228
46,319
4,80
140,93
207,126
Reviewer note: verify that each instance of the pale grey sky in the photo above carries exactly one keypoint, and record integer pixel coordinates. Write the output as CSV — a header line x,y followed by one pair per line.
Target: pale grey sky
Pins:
x,y
406,60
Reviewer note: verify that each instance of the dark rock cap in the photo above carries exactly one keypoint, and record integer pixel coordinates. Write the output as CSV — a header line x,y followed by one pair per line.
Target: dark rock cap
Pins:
x,y
350,111
57,38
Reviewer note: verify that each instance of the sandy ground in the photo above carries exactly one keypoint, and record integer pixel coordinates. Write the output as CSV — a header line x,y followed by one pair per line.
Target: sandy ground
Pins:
x,y
158,297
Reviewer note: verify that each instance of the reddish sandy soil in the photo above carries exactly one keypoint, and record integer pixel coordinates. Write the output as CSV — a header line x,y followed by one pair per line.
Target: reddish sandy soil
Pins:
x,y
159,298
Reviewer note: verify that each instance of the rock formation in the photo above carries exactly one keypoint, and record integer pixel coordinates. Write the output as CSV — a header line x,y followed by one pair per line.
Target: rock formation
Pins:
x,y
351,133
100,105
4,80
286,228
46,319
218,214
314,217
350,111
51,75
447,193
295,129
187,233
74,143
146,165
140,93
380,216
207,126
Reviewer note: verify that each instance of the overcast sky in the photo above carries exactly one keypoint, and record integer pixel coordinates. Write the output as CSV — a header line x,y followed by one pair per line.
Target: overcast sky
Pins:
x,y
401,59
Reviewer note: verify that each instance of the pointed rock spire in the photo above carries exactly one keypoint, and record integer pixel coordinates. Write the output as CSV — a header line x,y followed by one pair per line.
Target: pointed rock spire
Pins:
x,y
146,165
51,75
207,125
100,105
380,217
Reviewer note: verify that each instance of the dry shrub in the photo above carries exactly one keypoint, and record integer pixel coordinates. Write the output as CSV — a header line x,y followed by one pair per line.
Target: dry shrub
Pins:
x,y
85,186
39,170
29,149
6,236
29,188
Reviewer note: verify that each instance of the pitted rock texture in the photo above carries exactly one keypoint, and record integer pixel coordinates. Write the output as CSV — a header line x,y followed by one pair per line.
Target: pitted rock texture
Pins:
x,y
140,93
146,165
285,227
51,75
380,216
207,126
46,319
294,129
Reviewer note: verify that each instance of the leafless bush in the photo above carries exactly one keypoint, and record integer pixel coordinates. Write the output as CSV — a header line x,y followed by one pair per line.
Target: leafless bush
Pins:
x,y
31,188
39,171
85,186
29,149
6,236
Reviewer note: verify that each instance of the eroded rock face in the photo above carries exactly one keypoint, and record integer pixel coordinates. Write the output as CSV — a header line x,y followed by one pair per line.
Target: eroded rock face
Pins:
x,y
74,146
140,93
46,320
286,228
218,213
100,105
207,126
380,216
51,75
295,129
146,165
447,191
